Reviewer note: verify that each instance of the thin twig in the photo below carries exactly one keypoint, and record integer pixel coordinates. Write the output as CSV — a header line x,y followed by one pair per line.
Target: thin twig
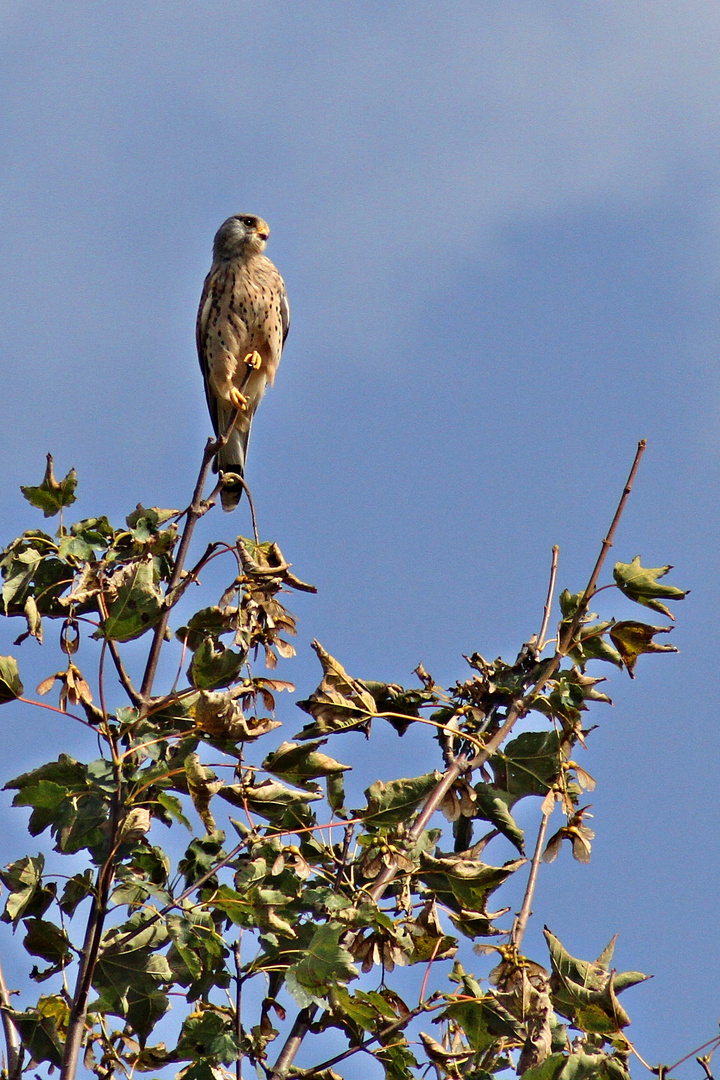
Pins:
x,y
246,489
518,930
55,708
549,601
640,1057
191,575
12,1038
704,1063
431,961
389,1030
123,675
342,861
115,654
606,545
711,1042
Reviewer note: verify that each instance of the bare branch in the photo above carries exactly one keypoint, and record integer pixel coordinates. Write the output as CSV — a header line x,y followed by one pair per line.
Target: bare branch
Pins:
x,y
549,600
238,1005
518,930
123,675
12,1039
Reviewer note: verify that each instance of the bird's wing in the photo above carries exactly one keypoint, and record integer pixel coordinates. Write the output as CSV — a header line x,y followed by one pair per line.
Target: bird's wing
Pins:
x,y
200,336
284,311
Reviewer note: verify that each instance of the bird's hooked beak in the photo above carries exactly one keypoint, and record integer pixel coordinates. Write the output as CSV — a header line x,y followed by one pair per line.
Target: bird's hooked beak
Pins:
x,y
263,230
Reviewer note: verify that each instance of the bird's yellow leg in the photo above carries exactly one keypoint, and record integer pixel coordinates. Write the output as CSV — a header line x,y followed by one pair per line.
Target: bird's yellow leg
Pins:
x,y
237,398
253,360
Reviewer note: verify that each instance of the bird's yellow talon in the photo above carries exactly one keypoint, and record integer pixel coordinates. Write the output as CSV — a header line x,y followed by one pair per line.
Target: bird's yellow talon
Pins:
x,y
254,360
238,399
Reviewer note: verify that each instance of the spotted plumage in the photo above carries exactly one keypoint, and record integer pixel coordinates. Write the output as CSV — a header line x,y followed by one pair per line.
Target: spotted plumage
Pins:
x,y
242,324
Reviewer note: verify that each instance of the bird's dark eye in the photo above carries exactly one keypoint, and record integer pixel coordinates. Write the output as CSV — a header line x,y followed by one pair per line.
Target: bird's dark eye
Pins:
x,y
248,221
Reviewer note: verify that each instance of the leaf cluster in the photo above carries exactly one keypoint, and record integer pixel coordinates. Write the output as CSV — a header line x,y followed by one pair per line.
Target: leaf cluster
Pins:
x,y
312,904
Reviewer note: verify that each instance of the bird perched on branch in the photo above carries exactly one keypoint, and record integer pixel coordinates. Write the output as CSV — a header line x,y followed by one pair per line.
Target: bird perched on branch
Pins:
x,y
242,324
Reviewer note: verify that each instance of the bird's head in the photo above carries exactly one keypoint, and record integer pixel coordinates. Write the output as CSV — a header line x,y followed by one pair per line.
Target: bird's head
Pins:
x,y
240,235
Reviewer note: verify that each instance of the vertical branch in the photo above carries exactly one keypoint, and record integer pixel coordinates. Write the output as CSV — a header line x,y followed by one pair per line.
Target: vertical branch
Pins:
x,y
605,547
193,513
518,930
293,1042
12,1039
93,936
548,602
90,951
238,1006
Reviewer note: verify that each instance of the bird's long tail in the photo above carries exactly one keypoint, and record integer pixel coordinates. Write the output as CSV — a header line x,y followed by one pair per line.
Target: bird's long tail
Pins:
x,y
232,459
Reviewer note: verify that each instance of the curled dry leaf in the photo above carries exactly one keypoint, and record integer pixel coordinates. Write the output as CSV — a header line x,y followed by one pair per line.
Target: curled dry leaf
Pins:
x,y
219,715
340,702
74,688
136,824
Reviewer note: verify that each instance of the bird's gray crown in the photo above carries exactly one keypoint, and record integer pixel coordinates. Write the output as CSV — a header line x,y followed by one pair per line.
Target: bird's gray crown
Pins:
x,y
239,235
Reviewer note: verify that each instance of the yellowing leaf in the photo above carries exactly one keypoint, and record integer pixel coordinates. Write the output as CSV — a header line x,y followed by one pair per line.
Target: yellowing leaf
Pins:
x,y
340,703
10,685
631,639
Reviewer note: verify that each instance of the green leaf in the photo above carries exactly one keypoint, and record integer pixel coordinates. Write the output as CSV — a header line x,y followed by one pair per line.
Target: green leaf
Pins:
x,y
634,638
51,496
208,622
148,517
493,805
64,801
392,802
474,1020
325,963
640,583
201,855
26,893
130,971
19,568
48,941
145,1006
10,685
270,800
135,601
197,956
172,804
551,1068
391,698
586,993
39,1028
529,765
213,665
208,1033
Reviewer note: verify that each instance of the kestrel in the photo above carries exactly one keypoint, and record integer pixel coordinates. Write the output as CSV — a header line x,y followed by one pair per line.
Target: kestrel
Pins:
x,y
242,324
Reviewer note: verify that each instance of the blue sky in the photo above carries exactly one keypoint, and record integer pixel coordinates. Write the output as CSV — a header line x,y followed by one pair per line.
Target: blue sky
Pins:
x,y
499,225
